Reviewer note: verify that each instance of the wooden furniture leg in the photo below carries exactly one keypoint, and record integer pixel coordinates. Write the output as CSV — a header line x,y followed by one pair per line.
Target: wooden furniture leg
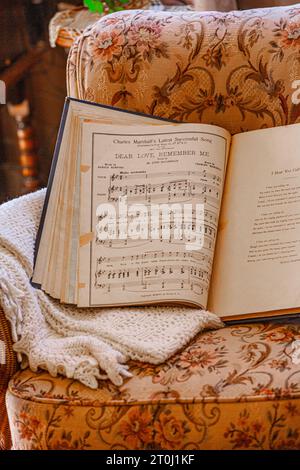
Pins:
x,y
27,145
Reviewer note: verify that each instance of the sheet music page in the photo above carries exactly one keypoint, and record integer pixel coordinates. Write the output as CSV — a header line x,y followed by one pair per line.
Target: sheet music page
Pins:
x,y
135,247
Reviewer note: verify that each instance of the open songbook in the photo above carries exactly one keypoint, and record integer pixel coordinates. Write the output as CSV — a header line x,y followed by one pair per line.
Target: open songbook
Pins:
x,y
142,210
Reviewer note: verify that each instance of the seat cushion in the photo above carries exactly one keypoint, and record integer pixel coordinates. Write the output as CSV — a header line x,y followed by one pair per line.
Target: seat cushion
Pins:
x,y
238,387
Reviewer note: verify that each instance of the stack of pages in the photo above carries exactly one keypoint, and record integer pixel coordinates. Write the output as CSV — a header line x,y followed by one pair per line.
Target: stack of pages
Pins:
x,y
141,210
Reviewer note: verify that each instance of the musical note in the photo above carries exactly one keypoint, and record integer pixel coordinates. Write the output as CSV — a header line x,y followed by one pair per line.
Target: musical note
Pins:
x,y
169,270
160,265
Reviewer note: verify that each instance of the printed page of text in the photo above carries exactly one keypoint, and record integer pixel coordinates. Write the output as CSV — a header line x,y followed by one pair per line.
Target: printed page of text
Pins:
x,y
257,263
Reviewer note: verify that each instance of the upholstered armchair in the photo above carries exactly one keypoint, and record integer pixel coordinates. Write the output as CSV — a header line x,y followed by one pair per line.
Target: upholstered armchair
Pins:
x,y
234,388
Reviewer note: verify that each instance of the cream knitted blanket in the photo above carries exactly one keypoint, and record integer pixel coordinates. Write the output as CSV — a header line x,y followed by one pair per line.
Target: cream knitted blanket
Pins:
x,y
84,344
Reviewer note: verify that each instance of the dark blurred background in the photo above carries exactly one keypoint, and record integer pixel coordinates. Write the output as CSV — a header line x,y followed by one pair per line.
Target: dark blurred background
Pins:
x,y
24,29
36,73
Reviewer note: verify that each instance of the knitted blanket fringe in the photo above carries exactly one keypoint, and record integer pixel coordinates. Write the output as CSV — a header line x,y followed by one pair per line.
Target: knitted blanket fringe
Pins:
x,y
83,344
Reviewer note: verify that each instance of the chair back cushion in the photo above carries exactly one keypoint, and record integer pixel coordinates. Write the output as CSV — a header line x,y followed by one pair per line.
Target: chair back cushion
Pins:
x,y
235,69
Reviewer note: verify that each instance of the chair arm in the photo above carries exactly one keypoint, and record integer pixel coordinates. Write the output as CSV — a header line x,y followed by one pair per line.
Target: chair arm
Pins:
x,y
8,366
235,69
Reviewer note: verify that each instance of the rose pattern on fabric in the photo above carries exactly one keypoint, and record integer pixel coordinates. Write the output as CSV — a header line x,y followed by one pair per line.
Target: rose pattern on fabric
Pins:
x,y
107,45
235,388
218,68
136,429
171,427
253,434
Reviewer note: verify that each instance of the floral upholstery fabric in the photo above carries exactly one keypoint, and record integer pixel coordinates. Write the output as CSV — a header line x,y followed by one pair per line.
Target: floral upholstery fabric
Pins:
x,y
233,388
231,69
